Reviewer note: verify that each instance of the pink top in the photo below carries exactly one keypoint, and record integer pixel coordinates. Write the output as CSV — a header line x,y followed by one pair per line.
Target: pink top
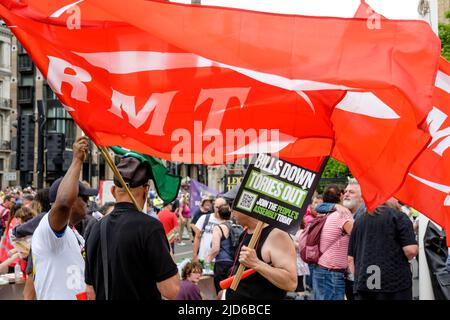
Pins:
x,y
308,217
185,211
334,242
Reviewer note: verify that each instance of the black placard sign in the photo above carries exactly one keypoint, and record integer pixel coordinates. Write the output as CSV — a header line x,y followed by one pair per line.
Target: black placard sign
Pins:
x,y
276,192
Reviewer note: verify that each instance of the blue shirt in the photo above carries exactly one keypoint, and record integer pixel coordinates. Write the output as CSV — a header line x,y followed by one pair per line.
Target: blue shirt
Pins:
x,y
327,207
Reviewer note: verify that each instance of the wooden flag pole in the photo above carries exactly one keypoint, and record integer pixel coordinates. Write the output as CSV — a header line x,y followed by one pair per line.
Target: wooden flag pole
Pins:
x,y
251,245
113,167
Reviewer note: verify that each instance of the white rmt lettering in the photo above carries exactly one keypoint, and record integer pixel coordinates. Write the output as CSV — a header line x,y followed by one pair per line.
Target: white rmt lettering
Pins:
x,y
435,121
57,75
220,98
158,102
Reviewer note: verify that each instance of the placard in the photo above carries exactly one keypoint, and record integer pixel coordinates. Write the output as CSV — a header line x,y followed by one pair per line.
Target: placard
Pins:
x,y
276,192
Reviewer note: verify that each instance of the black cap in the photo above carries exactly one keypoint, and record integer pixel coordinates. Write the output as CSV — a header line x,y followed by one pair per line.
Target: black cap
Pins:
x,y
82,190
134,172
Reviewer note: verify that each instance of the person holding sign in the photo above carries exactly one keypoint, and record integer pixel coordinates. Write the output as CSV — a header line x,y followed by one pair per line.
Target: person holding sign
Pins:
x,y
274,260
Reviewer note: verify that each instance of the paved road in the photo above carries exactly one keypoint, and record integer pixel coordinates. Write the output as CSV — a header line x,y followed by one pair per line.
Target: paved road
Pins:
x,y
183,252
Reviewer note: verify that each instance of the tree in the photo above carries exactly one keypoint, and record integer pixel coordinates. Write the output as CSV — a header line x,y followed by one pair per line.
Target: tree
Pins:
x,y
334,169
444,35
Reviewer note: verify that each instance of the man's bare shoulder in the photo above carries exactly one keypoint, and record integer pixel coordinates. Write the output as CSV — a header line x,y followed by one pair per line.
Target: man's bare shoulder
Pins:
x,y
278,236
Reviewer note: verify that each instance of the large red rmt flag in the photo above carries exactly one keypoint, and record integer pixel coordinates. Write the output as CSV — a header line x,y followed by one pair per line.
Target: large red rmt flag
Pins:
x,y
427,185
209,84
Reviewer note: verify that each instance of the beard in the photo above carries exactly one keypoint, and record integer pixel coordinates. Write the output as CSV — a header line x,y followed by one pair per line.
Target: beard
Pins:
x,y
350,204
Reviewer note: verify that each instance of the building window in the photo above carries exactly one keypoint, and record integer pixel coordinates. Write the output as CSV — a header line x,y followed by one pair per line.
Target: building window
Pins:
x,y
26,80
60,121
2,164
2,55
49,94
1,130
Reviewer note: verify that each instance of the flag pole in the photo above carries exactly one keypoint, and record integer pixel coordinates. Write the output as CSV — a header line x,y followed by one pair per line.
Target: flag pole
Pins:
x,y
112,165
251,245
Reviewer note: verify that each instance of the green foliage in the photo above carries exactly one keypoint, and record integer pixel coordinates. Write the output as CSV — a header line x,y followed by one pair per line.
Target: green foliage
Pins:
x,y
444,34
334,169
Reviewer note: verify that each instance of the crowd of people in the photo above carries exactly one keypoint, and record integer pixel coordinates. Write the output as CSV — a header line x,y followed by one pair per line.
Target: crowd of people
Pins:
x,y
66,244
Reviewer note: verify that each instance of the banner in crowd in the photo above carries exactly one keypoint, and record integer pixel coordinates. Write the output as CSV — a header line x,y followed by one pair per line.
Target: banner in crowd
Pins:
x,y
197,191
231,181
276,192
132,74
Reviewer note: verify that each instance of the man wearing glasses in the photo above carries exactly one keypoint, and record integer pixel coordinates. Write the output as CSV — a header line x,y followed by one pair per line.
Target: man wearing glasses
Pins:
x,y
58,264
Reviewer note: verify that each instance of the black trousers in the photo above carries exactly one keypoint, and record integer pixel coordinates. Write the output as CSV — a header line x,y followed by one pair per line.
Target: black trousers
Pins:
x,y
349,290
300,285
221,272
399,295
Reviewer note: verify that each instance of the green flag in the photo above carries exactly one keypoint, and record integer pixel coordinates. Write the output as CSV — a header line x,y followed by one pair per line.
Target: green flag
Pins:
x,y
167,185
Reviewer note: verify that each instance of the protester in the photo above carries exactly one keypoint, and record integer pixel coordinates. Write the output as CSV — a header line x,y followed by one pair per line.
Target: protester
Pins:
x,y
302,267
222,251
4,266
106,209
27,200
311,212
353,201
447,265
184,213
329,274
6,245
5,207
205,208
274,260
127,252
151,209
56,245
381,244
189,289
204,231
26,230
169,221
96,216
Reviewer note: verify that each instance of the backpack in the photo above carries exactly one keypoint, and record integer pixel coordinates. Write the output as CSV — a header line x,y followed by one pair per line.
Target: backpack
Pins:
x,y
236,231
309,240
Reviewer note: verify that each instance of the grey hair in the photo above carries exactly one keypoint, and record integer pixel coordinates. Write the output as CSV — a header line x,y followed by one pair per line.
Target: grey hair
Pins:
x,y
352,181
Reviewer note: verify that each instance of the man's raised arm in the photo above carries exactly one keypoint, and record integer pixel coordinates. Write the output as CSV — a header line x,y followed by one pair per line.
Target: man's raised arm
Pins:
x,y
68,189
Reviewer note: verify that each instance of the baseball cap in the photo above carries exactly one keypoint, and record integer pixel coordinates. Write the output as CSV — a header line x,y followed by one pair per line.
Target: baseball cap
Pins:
x,y
134,172
82,190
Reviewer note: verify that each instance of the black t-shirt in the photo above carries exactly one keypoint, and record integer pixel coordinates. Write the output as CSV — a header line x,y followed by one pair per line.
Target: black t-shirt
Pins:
x,y
198,213
138,255
376,244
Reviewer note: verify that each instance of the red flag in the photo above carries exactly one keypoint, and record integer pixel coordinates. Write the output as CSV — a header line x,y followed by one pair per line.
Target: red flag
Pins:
x,y
125,87
427,186
154,77
371,130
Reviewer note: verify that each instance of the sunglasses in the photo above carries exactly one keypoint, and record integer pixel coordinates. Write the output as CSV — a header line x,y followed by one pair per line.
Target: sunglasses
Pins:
x,y
85,199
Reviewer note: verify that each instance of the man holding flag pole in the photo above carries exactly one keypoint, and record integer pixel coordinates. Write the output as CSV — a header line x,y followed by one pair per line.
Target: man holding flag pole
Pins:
x,y
128,255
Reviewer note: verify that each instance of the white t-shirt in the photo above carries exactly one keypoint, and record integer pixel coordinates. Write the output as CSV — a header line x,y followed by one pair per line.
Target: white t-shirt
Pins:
x,y
58,264
206,239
